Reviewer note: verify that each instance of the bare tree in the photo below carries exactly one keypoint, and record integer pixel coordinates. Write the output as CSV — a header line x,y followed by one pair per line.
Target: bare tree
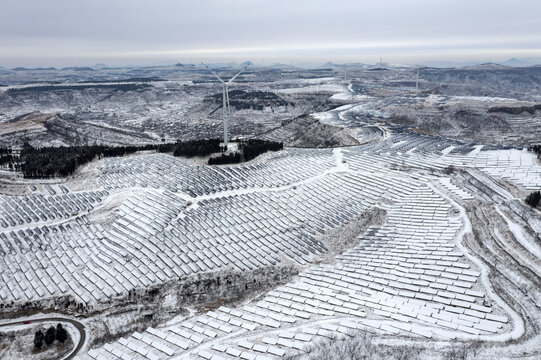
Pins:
x,y
457,353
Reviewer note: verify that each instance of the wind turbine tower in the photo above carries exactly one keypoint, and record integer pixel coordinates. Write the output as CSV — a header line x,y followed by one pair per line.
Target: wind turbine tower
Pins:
x,y
225,99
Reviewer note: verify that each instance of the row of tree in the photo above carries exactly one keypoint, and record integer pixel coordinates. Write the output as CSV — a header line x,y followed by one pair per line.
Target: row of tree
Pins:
x,y
48,162
252,148
59,334
7,159
193,148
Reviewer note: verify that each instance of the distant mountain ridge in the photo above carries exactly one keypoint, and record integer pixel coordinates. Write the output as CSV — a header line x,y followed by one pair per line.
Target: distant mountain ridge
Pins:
x,y
513,62
20,68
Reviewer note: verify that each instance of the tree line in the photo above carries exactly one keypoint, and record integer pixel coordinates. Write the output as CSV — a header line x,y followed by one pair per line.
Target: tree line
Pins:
x,y
7,157
192,148
59,334
48,162
252,148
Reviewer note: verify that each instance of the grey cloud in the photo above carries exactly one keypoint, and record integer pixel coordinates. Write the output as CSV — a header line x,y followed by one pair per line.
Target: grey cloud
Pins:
x,y
145,31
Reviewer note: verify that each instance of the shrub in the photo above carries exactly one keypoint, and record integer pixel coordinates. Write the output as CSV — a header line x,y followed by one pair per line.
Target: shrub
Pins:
x,y
458,353
449,170
353,347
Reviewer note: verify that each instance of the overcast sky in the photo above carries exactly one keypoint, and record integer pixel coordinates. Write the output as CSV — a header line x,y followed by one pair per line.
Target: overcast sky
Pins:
x,y
137,32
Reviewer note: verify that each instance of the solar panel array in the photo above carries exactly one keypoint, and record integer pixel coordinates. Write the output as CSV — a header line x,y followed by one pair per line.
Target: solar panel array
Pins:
x,y
157,218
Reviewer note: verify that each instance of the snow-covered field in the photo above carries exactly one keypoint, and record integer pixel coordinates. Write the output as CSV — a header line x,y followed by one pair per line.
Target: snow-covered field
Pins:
x,y
237,262
155,219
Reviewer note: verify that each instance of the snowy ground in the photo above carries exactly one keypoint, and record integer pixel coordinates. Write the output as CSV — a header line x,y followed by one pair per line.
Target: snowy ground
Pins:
x,y
169,258
387,174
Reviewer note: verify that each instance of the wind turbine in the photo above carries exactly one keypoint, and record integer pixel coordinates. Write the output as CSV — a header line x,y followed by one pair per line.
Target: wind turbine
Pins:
x,y
225,97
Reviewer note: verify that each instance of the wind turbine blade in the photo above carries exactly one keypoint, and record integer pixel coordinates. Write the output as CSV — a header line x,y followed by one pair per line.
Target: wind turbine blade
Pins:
x,y
234,77
213,73
227,99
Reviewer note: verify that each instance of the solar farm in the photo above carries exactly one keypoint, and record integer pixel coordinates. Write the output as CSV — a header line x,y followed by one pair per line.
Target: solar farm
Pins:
x,y
365,233
153,221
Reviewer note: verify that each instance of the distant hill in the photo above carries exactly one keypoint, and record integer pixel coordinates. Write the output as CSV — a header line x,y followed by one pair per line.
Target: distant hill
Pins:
x,y
34,69
486,66
523,62
79,68
513,62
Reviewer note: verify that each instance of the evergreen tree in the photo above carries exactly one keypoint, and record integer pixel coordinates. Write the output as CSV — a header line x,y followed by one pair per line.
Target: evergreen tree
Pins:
x,y
48,162
61,333
533,199
50,335
38,339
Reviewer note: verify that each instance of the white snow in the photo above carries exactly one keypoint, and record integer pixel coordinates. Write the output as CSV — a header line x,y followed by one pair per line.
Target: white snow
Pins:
x,y
320,87
528,242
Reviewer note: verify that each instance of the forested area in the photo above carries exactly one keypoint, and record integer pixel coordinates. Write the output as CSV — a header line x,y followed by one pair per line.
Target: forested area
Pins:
x,y
48,162
193,148
5,156
252,148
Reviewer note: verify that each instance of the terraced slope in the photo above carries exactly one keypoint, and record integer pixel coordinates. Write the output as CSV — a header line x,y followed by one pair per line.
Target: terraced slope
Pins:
x,y
157,221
